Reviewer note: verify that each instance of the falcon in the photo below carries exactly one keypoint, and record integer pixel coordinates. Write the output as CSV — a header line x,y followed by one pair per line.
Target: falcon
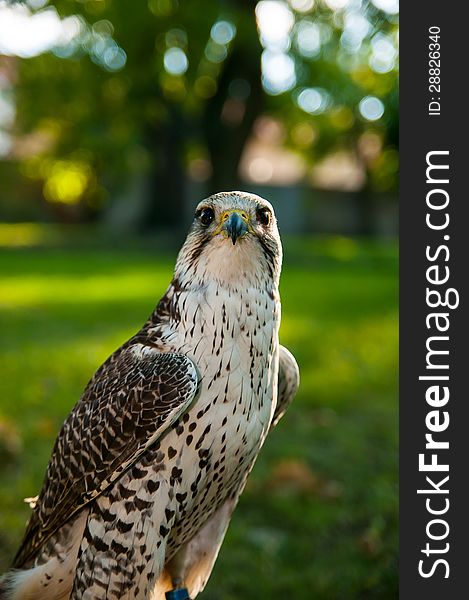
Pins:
x,y
149,465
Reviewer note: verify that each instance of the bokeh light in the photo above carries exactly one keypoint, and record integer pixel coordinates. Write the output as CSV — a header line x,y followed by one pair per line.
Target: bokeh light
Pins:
x,y
114,58
278,72
107,53
205,86
215,52
176,37
384,53
175,61
66,182
275,21
260,169
308,38
356,28
223,32
302,6
337,4
24,34
313,100
389,6
303,135
371,108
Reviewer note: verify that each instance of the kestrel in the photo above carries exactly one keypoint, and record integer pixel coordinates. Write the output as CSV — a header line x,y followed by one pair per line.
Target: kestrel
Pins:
x,y
149,465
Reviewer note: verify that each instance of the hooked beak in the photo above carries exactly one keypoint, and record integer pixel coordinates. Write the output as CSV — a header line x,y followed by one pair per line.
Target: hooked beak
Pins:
x,y
236,226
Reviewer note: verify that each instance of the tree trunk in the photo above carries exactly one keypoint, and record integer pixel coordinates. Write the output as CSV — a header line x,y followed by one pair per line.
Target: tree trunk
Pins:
x,y
166,188
229,117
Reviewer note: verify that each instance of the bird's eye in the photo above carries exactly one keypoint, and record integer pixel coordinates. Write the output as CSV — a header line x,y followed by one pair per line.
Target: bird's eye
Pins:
x,y
263,216
206,215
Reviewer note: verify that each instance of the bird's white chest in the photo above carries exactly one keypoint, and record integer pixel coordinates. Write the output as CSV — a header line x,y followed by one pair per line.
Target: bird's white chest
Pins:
x,y
232,337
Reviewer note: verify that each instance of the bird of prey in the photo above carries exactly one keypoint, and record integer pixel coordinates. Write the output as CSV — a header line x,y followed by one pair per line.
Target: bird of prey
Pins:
x,y
149,465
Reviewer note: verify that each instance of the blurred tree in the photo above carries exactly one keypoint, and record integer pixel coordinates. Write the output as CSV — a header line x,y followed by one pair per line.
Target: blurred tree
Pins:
x,y
136,95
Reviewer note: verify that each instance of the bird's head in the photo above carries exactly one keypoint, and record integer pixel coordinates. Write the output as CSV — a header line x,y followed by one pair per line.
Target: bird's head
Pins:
x,y
234,237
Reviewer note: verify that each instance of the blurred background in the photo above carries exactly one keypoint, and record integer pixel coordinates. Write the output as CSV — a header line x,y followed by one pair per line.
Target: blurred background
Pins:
x,y
116,118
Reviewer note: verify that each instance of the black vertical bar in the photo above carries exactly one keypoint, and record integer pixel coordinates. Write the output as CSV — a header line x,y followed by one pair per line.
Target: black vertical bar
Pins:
x,y
424,130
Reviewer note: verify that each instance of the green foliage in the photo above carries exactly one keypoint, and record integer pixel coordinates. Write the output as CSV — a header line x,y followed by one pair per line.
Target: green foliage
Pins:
x,y
106,107
319,516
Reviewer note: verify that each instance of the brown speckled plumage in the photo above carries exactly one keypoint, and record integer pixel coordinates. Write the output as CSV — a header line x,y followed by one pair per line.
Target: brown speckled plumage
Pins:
x,y
149,465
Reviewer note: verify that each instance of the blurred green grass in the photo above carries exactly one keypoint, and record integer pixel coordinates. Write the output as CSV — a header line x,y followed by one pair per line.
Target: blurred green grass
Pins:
x,y
319,516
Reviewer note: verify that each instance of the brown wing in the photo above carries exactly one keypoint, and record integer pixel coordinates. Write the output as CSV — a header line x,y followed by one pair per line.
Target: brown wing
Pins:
x,y
135,396
288,382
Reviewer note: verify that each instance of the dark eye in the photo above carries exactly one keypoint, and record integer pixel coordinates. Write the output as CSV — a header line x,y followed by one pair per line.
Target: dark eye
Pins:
x,y
263,216
206,215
